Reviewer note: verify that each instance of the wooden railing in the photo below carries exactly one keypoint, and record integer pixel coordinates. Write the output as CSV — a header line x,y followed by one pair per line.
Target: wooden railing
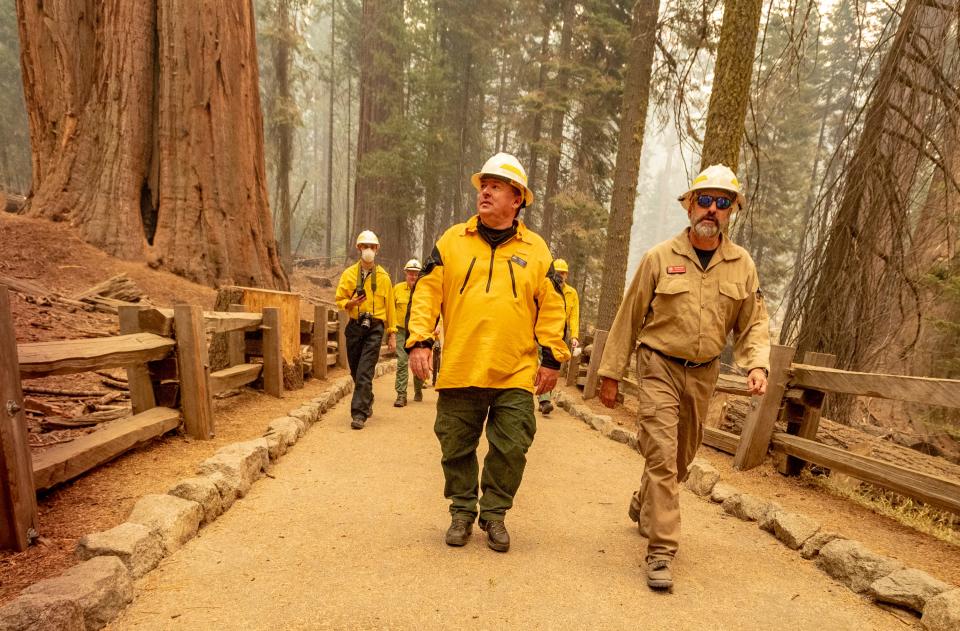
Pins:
x,y
166,355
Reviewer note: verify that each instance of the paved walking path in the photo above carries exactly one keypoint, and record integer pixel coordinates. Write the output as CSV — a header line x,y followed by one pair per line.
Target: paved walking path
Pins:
x,y
348,534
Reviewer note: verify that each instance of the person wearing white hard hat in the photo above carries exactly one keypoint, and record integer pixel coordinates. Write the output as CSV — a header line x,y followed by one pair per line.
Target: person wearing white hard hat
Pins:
x,y
687,295
401,296
365,292
493,281
572,301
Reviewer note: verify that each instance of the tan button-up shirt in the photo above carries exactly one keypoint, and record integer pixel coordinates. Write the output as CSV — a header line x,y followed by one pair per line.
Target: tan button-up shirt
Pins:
x,y
680,309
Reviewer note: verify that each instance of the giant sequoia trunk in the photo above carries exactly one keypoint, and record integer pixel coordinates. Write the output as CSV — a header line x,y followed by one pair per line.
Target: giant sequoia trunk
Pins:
x,y
636,95
731,83
147,133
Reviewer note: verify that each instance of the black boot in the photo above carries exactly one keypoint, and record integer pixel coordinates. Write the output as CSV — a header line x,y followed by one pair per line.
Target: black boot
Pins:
x,y
458,532
497,536
546,407
358,422
401,400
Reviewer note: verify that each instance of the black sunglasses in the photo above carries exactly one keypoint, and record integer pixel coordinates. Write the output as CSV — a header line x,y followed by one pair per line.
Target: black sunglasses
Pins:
x,y
723,203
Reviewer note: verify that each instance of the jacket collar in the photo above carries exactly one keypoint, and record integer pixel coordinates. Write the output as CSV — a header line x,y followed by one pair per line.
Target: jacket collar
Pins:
x,y
470,227
681,245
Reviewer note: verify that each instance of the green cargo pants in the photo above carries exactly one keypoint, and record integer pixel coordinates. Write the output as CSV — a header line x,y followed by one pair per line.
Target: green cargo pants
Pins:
x,y
400,384
511,424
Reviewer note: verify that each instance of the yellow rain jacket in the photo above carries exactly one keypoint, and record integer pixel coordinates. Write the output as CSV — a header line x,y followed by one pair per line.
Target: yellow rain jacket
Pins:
x,y
572,299
401,298
379,303
497,305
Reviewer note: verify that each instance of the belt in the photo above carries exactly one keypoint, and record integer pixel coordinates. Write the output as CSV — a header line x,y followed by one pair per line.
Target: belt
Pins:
x,y
686,363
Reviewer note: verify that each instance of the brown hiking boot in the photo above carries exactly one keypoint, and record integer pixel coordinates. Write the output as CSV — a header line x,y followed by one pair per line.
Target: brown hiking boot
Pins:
x,y
659,576
497,536
458,532
401,400
418,396
358,422
546,407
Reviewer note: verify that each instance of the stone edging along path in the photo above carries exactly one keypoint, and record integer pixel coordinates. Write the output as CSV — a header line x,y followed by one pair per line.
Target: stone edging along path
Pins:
x,y
89,595
882,579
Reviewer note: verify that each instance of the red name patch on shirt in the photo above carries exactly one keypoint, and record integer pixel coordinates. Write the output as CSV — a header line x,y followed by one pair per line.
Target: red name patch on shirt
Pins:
x,y
677,269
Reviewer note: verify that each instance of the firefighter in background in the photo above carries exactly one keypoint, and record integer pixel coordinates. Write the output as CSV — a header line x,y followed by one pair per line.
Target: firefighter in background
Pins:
x,y
401,297
365,292
572,301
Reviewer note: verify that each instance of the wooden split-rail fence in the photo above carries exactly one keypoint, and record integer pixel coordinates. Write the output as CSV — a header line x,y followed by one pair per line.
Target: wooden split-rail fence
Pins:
x,y
167,358
795,395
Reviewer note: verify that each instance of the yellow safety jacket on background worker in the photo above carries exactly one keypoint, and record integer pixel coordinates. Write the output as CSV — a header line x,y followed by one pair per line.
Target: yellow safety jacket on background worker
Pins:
x,y
380,306
497,305
676,307
401,299
572,299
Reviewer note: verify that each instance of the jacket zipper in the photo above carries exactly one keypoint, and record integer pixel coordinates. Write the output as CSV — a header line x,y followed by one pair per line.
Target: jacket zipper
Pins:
x,y
493,250
513,280
469,269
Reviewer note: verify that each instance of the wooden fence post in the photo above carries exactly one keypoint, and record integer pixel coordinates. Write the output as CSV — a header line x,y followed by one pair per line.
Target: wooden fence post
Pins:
x,y
803,417
142,397
759,424
236,345
342,340
272,352
18,499
193,367
573,370
590,387
320,342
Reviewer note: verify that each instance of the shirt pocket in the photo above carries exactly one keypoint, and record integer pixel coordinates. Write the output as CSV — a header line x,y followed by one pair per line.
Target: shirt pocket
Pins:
x,y
732,295
671,299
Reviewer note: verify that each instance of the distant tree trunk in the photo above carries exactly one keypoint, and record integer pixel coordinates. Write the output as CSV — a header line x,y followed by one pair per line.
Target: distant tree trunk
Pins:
x,y
333,86
284,129
537,127
380,99
731,83
147,132
347,225
556,124
636,95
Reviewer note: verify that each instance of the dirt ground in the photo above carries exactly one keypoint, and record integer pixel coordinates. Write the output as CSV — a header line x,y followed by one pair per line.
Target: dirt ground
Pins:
x,y
880,533
348,534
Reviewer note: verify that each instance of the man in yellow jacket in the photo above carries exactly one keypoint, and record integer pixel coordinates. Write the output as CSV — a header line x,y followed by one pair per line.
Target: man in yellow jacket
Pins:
x,y
572,300
492,279
401,297
365,292
687,295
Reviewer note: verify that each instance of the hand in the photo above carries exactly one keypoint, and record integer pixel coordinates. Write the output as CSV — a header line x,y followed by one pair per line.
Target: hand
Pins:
x,y
574,343
546,380
392,342
757,381
609,388
421,362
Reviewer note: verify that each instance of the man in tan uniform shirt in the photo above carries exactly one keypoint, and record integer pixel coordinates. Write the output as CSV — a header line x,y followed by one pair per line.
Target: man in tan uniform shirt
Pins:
x,y
687,295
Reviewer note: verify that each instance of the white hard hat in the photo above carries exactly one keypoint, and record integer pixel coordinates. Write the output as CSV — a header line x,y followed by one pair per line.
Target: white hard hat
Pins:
x,y
368,237
413,265
716,176
505,166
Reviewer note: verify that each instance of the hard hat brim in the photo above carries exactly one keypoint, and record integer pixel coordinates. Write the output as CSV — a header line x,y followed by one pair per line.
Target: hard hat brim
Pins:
x,y
527,193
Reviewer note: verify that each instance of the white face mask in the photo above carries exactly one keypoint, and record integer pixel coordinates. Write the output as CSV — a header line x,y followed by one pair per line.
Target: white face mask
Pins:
x,y
368,254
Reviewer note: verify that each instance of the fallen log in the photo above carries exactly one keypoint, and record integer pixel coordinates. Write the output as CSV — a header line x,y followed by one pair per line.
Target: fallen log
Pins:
x,y
86,420
119,287
59,392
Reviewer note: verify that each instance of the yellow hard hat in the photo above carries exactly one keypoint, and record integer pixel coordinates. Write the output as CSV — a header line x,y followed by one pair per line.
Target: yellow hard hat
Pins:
x,y
716,176
560,265
368,237
413,265
504,165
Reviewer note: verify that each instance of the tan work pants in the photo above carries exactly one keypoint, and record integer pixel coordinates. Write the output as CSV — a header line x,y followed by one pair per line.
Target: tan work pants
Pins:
x,y
673,405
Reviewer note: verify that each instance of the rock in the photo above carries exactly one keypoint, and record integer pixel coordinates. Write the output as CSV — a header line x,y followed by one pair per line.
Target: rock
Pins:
x,y
323,402
228,487
288,427
765,522
276,446
851,563
619,434
814,544
241,463
721,491
204,492
101,587
599,422
306,414
745,506
138,547
792,529
702,477
907,588
942,613
40,612
176,520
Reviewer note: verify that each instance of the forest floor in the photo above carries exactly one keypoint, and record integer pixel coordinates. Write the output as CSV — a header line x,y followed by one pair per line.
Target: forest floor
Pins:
x,y
51,255
347,533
